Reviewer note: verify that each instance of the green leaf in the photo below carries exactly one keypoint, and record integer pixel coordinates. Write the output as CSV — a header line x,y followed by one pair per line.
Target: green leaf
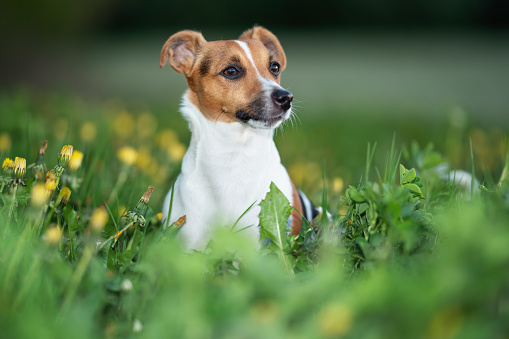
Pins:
x,y
413,187
71,217
275,211
406,176
355,195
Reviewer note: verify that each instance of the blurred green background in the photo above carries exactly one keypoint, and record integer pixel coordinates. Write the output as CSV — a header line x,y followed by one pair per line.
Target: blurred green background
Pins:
x,y
359,70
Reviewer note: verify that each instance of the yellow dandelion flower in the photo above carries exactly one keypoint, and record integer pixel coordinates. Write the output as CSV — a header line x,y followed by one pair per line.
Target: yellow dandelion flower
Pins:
x,y
64,196
88,131
99,219
308,173
65,154
124,125
146,125
159,216
38,195
8,165
265,312
144,159
20,166
53,235
177,151
337,184
166,138
51,182
75,161
5,142
127,155
335,320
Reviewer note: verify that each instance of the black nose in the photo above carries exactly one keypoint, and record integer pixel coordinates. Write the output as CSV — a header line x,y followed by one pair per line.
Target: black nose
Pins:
x,y
282,98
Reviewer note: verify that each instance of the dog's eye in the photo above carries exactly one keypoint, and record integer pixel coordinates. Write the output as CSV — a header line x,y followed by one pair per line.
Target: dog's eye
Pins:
x,y
275,68
231,72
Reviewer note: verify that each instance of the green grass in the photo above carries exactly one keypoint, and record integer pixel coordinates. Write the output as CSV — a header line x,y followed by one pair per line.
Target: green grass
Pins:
x,y
406,254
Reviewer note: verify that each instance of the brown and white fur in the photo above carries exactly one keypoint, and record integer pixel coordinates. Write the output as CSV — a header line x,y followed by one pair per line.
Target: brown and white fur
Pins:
x,y
233,105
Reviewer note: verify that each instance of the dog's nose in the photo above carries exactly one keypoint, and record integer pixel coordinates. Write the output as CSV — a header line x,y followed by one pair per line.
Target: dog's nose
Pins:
x,y
282,98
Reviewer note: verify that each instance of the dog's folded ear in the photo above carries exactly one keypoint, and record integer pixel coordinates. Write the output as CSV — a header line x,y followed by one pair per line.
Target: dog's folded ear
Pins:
x,y
181,50
269,40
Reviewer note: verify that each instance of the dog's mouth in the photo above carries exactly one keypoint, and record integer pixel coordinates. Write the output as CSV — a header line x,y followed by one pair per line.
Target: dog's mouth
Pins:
x,y
262,120
267,113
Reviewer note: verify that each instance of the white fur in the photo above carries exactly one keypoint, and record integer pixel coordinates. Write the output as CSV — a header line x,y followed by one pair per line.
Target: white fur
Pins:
x,y
228,167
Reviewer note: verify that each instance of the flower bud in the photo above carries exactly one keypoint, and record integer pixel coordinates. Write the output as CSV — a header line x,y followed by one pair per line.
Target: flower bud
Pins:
x,y
8,165
38,195
64,196
20,166
65,154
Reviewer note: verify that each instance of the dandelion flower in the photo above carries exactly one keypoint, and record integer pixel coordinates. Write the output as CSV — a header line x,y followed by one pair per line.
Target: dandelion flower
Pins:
x,y
88,131
146,125
124,125
335,320
38,195
8,165
64,196
65,154
75,161
264,312
20,166
159,216
176,151
99,219
127,155
337,184
146,162
53,235
166,137
5,142
51,182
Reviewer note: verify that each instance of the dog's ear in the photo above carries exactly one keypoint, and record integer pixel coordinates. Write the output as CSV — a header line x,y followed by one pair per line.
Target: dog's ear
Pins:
x,y
181,50
269,40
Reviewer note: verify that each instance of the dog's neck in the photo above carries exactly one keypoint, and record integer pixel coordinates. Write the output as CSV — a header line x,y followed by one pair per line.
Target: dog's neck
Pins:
x,y
219,149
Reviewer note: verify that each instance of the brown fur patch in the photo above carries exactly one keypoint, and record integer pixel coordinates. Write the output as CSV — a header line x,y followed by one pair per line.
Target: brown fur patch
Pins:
x,y
218,97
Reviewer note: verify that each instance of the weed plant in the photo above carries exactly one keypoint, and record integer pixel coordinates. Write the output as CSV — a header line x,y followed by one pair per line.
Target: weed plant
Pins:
x,y
83,252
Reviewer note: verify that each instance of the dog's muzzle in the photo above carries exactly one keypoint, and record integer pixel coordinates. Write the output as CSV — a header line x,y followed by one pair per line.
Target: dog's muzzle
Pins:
x,y
267,112
282,99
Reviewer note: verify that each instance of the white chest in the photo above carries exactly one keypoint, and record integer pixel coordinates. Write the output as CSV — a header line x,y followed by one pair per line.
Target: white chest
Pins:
x,y
227,169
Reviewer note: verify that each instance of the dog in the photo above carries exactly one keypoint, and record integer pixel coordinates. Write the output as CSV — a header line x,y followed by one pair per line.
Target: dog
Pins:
x,y
233,106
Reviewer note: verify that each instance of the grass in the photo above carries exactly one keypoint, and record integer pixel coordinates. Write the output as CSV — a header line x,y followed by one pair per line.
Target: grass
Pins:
x,y
406,253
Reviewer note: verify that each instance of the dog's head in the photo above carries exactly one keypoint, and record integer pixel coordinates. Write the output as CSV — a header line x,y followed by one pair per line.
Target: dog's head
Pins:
x,y
233,80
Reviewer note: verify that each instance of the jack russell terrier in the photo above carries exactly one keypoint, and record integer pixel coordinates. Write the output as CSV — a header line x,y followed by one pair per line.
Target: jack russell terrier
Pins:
x,y
233,105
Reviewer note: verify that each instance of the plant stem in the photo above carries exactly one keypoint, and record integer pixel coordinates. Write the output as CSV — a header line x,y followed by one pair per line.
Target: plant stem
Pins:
x,y
122,177
11,208
76,277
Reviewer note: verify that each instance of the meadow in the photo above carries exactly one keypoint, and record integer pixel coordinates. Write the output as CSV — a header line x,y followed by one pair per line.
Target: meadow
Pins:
x,y
407,253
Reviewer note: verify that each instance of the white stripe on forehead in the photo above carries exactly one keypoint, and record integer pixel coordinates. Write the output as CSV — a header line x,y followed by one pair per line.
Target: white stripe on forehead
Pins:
x,y
246,49
265,82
